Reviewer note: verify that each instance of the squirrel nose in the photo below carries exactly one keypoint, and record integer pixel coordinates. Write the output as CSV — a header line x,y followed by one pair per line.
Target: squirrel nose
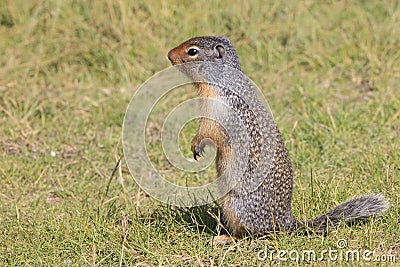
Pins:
x,y
169,56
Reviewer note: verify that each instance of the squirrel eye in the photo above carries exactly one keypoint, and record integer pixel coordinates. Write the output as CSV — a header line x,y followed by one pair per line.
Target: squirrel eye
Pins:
x,y
192,52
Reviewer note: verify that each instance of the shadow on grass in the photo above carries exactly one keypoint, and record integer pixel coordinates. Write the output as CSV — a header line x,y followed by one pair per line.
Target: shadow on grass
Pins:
x,y
203,219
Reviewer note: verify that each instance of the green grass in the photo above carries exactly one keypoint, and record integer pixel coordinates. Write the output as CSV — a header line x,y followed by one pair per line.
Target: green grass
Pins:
x,y
330,71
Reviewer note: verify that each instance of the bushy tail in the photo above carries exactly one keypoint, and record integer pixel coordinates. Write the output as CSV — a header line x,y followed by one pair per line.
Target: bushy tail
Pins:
x,y
353,209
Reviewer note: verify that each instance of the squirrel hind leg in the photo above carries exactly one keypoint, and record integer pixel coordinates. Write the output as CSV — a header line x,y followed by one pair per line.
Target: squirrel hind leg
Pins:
x,y
222,240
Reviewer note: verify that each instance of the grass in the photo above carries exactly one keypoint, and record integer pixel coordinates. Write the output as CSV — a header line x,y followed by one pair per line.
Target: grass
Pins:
x,y
329,70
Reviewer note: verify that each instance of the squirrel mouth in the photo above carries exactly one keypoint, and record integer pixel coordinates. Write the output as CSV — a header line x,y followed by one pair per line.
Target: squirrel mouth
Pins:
x,y
176,61
174,58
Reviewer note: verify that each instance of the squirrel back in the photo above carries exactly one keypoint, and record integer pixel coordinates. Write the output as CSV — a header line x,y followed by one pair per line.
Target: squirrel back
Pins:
x,y
265,207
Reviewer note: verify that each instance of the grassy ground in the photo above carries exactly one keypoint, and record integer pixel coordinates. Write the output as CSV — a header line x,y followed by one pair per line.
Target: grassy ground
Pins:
x,y
330,72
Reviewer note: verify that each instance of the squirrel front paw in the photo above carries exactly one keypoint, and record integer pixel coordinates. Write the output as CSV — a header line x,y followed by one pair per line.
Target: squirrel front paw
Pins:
x,y
198,145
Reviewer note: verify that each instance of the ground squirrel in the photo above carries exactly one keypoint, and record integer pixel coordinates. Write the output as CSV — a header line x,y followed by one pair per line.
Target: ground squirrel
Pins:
x,y
267,208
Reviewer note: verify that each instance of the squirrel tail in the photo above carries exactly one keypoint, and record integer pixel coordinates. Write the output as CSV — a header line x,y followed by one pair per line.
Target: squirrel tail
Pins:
x,y
357,208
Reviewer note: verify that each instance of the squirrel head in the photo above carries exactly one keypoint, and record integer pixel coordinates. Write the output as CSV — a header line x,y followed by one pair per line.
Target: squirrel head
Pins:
x,y
206,48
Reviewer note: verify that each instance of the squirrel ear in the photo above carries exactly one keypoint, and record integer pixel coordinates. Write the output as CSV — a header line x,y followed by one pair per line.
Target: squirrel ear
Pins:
x,y
221,50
